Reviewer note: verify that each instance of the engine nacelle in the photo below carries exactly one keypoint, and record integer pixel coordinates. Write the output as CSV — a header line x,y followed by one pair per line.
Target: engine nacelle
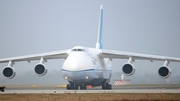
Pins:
x,y
128,69
164,72
40,69
8,72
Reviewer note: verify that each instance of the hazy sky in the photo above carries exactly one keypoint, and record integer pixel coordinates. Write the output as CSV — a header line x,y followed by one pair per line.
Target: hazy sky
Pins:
x,y
142,26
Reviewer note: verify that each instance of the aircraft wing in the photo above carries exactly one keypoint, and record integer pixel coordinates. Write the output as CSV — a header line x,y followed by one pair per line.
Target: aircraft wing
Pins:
x,y
45,56
135,56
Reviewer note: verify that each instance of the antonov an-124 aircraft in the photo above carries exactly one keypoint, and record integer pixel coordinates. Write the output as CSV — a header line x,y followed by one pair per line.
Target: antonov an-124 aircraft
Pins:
x,y
88,66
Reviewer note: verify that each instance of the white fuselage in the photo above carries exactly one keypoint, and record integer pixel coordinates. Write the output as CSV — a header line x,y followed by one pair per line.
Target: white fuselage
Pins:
x,y
83,65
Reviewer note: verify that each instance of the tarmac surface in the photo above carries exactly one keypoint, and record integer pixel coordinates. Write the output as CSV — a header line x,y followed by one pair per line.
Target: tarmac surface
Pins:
x,y
61,91
49,89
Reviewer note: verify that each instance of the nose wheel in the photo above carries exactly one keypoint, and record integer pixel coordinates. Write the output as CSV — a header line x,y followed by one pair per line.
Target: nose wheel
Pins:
x,y
72,86
83,86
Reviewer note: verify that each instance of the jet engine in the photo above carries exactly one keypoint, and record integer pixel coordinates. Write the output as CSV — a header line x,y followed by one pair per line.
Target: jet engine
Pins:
x,y
164,72
40,69
8,72
128,69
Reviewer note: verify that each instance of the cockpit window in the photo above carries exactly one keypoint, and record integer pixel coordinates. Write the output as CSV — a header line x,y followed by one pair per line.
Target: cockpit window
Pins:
x,y
74,50
78,50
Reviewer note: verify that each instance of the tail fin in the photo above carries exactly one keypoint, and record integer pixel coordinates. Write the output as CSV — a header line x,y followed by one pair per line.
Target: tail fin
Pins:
x,y
99,44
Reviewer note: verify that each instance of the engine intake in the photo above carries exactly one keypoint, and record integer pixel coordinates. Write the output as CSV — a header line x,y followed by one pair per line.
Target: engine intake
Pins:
x,y
40,69
164,72
9,72
128,69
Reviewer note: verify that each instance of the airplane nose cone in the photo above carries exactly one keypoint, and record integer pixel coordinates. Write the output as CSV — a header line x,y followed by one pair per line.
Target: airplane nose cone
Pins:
x,y
77,63
75,67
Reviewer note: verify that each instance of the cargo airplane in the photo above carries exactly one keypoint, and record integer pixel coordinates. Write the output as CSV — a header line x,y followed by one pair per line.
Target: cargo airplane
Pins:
x,y
88,66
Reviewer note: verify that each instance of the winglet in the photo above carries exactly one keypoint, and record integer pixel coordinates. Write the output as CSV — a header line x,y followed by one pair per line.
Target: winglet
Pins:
x,y
99,44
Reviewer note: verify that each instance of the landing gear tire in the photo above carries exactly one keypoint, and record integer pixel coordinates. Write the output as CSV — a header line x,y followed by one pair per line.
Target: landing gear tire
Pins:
x,y
109,86
106,86
83,87
72,86
75,86
2,90
68,87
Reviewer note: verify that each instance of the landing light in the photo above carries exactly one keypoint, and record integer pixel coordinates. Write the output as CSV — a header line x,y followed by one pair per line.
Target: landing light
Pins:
x,y
66,77
86,77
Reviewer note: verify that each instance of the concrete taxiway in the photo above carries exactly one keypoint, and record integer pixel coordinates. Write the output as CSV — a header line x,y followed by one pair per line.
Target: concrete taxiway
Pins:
x,y
115,89
91,91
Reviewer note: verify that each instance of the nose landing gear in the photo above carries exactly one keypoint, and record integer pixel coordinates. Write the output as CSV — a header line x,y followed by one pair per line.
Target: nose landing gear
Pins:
x,y
83,86
74,86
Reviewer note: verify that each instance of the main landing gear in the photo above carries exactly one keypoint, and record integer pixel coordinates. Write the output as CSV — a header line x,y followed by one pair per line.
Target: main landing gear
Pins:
x,y
74,86
2,88
106,86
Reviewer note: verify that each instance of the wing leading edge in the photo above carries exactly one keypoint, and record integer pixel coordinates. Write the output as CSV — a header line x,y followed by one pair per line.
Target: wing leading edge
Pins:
x,y
135,56
45,56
